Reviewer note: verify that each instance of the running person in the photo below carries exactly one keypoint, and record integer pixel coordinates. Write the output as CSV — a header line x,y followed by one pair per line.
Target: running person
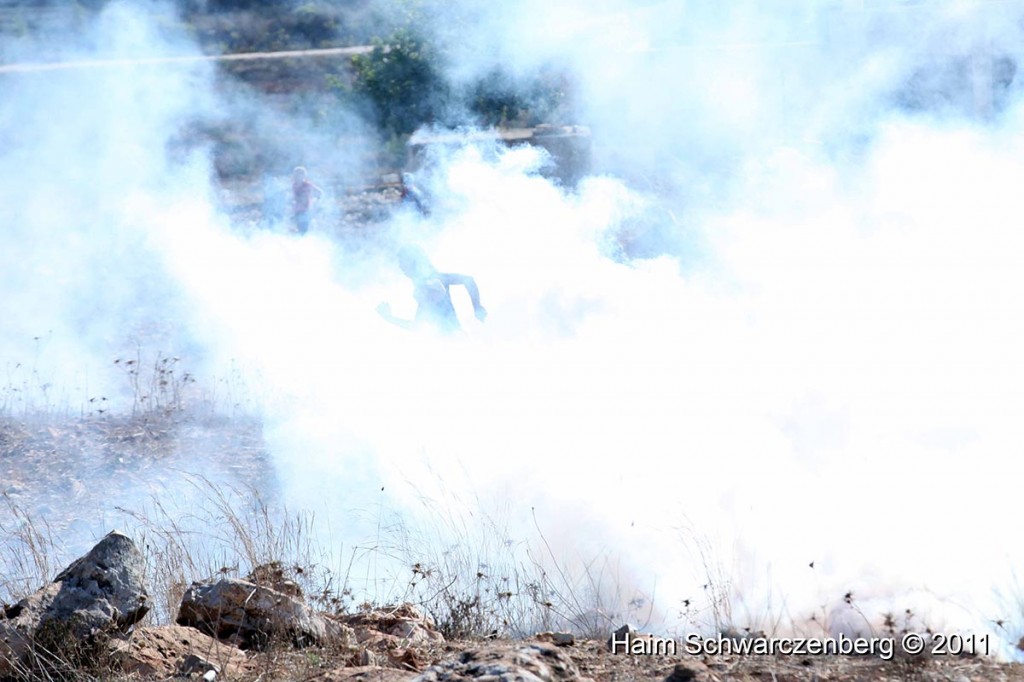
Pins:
x,y
433,299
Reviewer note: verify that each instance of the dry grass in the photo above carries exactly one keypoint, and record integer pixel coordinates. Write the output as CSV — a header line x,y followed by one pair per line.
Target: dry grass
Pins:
x,y
27,548
468,573
489,582
465,567
233,532
476,576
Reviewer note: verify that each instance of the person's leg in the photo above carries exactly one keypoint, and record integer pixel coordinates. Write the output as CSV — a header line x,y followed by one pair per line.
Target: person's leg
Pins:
x,y
302,222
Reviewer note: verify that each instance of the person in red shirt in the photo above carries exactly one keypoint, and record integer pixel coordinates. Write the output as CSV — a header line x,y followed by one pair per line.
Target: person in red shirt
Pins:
x,y
304,195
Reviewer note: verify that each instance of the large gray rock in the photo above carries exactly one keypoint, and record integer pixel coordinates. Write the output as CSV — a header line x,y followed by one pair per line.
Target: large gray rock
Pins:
x,y
251,616
103,590
100,593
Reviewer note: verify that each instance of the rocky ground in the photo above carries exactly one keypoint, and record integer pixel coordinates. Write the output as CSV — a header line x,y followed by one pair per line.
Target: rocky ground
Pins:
x,y
86,625
52,469
345,210
95,619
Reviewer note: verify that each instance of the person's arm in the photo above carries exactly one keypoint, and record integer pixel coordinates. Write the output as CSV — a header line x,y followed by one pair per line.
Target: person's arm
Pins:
x,y
474,292
384,310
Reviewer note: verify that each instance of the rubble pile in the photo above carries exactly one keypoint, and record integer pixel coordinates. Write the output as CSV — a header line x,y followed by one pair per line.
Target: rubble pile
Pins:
x,y
86,625
87,617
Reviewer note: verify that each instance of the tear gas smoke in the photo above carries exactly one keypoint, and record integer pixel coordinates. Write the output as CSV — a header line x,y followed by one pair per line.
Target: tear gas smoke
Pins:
x,y
824,367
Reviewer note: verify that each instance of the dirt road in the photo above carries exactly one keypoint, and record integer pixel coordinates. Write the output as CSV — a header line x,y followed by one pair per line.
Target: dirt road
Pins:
x,y
146,61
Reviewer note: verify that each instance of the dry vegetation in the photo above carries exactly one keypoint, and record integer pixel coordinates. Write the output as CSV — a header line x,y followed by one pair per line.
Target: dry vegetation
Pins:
x,y
487,590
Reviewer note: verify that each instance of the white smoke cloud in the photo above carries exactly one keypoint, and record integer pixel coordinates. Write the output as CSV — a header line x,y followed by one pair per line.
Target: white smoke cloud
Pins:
x,y
81,146
829,373
811,383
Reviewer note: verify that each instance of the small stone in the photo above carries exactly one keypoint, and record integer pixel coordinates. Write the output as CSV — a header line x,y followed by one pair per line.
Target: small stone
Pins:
x,y
688,672
620,636
557,638
196,664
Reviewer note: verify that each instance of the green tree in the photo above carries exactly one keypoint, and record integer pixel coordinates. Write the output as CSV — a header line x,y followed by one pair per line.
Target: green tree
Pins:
x,y
498,99
402,79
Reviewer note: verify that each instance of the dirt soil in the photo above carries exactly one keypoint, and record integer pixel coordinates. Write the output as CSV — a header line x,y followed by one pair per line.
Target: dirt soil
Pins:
x,y
592,661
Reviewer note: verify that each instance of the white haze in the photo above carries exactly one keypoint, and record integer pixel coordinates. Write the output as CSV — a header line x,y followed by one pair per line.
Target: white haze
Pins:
x,y
829,373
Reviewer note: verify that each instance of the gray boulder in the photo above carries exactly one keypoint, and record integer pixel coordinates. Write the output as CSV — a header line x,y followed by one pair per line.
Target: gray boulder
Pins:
x,y
101,593
251,616
103,590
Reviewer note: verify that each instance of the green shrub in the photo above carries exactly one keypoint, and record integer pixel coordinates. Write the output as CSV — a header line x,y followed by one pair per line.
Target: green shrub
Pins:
x,y
402,79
